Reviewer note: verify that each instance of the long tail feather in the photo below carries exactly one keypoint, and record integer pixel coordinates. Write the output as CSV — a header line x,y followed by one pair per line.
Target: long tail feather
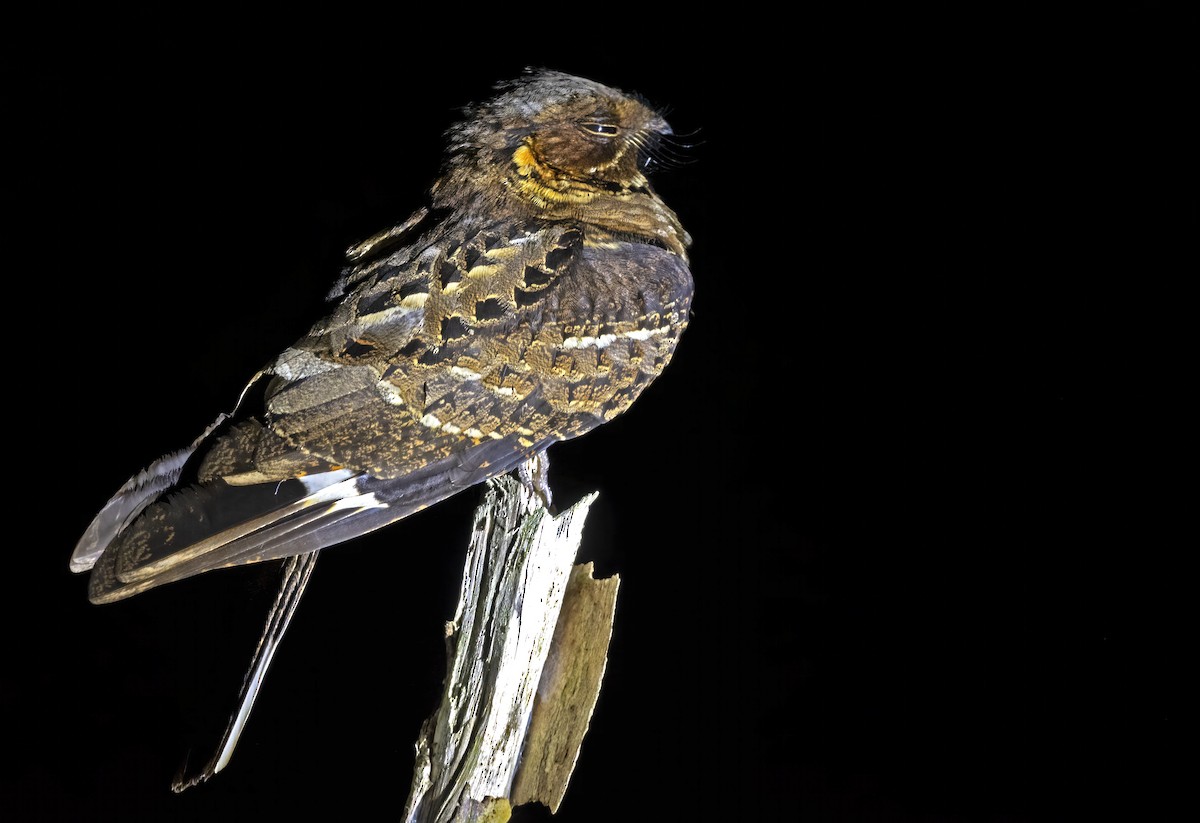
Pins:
x,y
295,578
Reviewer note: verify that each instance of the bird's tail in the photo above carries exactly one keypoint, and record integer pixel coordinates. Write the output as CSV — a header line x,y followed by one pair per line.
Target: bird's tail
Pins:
x,y
159,528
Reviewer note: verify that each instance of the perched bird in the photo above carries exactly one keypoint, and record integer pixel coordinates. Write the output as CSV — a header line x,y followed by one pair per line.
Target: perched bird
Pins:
x,y
534,296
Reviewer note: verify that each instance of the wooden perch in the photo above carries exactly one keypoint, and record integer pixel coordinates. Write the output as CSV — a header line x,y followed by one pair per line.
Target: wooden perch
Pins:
x,y
527,649
569,688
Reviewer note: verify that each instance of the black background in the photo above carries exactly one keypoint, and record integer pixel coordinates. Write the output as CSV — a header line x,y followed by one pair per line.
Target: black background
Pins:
x,y
894,528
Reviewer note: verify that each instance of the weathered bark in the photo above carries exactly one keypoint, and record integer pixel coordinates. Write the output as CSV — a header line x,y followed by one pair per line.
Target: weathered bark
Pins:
x,y
522,680
569,688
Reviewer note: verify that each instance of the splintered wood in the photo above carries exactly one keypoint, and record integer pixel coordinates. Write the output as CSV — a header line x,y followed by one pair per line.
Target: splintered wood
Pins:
x,y
569,688
527,650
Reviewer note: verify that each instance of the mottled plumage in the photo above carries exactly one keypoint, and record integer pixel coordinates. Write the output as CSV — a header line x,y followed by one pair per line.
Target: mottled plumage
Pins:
x,y
542,287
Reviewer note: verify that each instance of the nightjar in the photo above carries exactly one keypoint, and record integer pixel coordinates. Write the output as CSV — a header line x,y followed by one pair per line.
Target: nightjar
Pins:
x,y
535,295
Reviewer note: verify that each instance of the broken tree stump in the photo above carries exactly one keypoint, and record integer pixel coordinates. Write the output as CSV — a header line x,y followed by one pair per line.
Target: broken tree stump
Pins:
x,y
526,654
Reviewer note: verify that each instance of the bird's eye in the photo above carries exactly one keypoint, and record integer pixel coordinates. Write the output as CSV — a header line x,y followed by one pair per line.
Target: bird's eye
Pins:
x,y
600,129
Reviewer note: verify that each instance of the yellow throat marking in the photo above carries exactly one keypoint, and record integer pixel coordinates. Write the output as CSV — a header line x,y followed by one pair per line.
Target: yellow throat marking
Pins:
x,y
540,184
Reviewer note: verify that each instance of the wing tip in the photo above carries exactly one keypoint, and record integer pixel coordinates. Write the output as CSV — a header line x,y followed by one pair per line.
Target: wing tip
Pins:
x,y
87,550
78,565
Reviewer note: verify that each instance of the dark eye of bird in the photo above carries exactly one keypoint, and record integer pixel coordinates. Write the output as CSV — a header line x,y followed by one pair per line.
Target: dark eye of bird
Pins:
x,y
601,129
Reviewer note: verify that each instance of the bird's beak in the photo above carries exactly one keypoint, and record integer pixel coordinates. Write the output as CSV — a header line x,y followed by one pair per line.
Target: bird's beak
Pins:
x,y
659,126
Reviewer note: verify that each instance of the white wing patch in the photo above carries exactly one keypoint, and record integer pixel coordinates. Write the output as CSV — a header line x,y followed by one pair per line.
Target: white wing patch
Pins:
x,y
605,340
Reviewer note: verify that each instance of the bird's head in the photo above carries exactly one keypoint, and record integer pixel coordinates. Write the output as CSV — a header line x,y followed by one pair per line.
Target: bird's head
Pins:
x,y
556,141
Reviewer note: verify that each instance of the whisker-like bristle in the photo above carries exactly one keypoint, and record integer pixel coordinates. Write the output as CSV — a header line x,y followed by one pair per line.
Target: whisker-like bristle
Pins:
x,y
676,137
662,150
